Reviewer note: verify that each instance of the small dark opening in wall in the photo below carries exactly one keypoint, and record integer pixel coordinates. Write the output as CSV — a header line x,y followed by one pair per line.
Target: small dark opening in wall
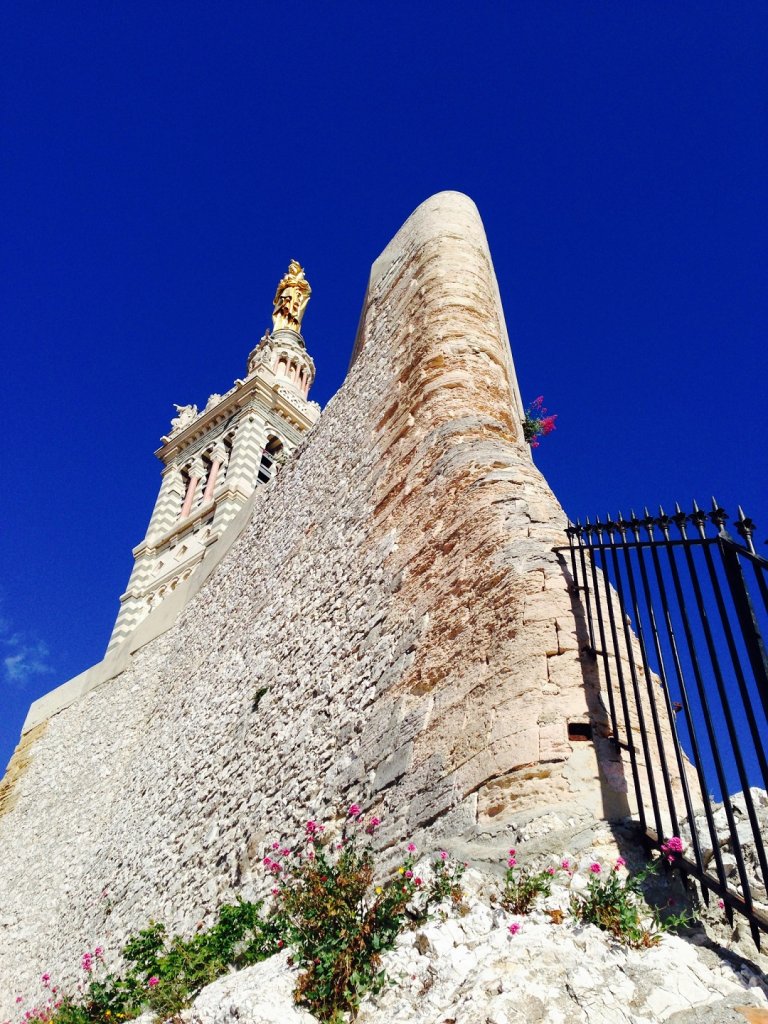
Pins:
x,y
579,731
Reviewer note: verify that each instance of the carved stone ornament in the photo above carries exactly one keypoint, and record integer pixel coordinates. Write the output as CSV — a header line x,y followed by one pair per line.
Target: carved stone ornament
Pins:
x,y
186,414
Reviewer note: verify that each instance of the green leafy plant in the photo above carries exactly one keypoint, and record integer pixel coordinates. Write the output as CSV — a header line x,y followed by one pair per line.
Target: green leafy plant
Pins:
x,y
523,887
171,972
537,423
258,694
338,922
164,973
615,904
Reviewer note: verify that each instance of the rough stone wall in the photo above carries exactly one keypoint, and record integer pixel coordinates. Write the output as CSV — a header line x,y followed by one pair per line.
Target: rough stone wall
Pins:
x,y
396,598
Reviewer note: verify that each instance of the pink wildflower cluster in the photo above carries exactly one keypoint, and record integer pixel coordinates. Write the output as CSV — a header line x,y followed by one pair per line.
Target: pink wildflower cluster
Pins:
x,y
537,423
89,960
672,847
512,861
45,1010
274,860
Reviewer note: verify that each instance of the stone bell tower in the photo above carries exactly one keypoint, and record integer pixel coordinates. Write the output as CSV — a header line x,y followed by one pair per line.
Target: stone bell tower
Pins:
x,y
214,459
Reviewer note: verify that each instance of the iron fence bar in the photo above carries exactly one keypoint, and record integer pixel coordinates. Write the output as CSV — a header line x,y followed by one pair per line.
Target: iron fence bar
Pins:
x,y
753,641
680,521
634,591
762,586
635,526
630,743
692,541
758,918
586,587
635,685
686,709
742,683
663,522
640,632
604,648
751,635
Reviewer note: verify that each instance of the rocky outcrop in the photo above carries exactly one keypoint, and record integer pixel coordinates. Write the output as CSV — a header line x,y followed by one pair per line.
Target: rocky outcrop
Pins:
x,y
471,970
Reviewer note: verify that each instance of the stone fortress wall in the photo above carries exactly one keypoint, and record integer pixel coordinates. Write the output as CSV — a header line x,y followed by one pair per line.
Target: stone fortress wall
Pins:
x,y
394,597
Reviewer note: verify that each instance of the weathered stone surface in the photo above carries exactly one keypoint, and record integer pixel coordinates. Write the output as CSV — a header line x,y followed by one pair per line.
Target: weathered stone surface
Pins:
x,y
471,970
394,600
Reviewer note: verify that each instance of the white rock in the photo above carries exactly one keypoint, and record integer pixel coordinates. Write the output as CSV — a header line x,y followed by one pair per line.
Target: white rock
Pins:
x,y
262,994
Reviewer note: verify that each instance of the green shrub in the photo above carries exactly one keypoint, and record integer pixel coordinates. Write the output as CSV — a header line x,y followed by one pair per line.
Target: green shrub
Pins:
x,y
616,904
524,887
338,922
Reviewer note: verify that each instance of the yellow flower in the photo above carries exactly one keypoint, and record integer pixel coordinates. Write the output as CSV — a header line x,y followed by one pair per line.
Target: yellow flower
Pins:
x,y
379,890
401,871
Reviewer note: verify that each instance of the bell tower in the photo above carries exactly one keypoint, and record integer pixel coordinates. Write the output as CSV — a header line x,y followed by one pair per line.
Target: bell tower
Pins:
x,y
214,459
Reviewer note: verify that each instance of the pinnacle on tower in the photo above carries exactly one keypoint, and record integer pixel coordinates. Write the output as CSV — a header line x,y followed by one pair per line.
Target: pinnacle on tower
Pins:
x,y
215,458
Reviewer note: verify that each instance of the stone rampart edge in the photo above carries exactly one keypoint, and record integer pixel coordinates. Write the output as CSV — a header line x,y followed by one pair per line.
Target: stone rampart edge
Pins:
x,y
159,622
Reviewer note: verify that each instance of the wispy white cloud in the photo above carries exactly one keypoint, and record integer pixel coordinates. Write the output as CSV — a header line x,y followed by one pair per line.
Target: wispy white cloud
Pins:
x,y
22,655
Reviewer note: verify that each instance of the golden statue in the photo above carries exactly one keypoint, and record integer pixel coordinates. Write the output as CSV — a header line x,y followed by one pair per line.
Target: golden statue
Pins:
x,y
291,299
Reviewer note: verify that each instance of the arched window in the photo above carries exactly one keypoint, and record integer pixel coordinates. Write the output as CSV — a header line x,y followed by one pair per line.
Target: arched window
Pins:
x,y
272,452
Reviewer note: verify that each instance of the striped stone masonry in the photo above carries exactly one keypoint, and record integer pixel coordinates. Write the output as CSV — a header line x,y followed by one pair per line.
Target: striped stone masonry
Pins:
x,y
213,461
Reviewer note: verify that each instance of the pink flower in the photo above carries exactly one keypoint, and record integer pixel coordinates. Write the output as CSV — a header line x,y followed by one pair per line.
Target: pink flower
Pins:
x,y
672,846
354,811
550,871
512,853
720,903
311,827
443,855
511,862
19,999
154,980
595,868
372,825
411,847
275,846
99,952
275,891
417,881
565,865
409,874
548,424
46,979
514,928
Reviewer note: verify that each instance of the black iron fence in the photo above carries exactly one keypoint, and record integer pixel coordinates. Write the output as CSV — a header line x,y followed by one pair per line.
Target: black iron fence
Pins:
x,y
675,611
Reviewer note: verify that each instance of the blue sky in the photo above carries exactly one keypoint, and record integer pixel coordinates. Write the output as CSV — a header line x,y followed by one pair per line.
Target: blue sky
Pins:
x,y
162,163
